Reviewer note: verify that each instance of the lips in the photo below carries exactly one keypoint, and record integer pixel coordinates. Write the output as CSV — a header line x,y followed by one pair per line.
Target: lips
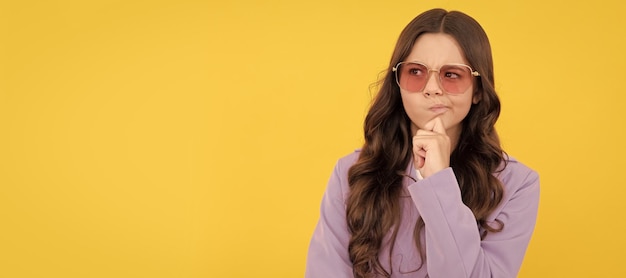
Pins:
x,y
439,109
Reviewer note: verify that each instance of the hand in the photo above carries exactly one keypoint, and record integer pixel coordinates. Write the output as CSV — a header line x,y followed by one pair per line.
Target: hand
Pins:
x,y
431,148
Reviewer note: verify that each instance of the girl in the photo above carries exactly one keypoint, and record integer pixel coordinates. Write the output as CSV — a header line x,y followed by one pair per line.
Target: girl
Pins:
x,y
431,193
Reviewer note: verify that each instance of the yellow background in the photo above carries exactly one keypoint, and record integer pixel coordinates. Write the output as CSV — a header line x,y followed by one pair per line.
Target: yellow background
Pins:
x,y
195,138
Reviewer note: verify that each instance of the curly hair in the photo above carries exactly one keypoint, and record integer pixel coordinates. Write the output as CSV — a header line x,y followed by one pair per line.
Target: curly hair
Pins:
x,y
375,180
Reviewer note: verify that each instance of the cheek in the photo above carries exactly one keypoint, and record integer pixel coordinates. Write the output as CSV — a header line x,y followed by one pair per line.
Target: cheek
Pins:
x,y
414,107
411,101
463,106
463,102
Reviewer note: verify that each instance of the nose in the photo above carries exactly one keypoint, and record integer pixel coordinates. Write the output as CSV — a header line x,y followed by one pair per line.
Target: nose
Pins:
x,y
432,86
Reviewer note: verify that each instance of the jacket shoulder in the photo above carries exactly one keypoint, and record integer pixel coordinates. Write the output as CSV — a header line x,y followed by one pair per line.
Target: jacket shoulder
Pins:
x,y
517,175
348,160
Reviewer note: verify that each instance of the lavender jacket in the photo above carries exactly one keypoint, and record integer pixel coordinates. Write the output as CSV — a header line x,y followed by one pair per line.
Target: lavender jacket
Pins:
x,y
451,235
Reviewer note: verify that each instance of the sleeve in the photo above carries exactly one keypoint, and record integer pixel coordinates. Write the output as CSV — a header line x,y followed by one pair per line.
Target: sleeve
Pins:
x,y
328,250
453,244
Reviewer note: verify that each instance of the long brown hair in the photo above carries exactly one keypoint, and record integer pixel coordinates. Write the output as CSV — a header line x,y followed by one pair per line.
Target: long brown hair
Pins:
x,y
375,180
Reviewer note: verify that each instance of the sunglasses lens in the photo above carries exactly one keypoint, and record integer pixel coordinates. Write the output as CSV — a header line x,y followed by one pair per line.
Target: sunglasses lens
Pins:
x,y
455,79
412,77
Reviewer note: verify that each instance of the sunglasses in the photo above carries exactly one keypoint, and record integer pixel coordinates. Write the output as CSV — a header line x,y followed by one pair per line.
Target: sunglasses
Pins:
x,y
453,78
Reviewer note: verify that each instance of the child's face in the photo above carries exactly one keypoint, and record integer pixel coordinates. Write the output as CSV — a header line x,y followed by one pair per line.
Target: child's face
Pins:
x,y
436,50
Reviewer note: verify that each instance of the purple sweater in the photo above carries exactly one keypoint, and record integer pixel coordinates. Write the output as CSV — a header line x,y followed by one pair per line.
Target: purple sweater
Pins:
x,y
451,235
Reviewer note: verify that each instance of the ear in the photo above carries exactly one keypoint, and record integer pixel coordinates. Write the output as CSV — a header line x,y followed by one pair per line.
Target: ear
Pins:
x,y
475,98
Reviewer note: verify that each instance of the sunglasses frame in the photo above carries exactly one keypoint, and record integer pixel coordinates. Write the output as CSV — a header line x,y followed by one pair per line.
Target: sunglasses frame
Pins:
x,y
438,71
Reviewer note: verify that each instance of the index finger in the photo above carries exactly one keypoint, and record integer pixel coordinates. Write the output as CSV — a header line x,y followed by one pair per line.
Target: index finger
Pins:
x,y
438,126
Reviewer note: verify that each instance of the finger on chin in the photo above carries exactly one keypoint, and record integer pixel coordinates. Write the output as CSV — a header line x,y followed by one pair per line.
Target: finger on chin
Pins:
x,y
438,126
